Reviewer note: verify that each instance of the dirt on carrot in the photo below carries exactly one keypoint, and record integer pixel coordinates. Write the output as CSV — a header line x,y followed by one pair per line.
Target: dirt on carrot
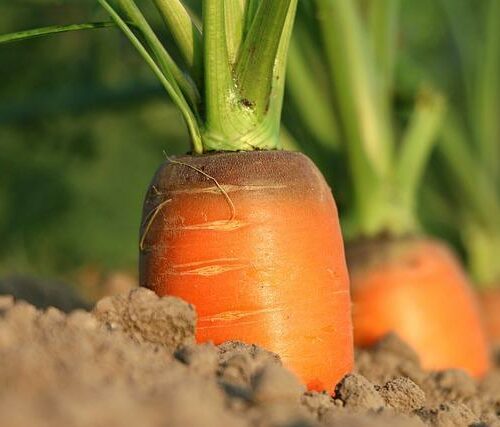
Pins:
x,y
133,361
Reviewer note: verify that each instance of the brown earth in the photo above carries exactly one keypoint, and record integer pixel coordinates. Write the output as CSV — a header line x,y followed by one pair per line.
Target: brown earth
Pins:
x,y
133,362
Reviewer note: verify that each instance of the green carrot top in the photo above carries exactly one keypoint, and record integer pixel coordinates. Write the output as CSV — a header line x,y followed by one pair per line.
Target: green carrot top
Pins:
x,y
230,90
229,83
470,140
359,51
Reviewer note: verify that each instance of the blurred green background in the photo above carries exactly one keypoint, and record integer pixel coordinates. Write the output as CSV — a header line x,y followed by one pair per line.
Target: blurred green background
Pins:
x,y
84,124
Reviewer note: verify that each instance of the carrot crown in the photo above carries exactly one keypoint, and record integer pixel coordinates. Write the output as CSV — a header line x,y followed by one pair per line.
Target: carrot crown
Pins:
x,y
229,83
230,88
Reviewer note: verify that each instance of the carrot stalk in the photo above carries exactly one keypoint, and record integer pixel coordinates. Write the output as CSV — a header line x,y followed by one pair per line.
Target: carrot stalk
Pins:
x,y
186,33
470,143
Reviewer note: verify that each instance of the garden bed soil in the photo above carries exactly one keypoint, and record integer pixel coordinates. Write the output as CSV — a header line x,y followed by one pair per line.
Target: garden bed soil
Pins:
x,y
133,361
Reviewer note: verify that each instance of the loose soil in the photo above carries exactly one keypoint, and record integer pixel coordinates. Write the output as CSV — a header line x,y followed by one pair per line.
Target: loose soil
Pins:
x,y
133,361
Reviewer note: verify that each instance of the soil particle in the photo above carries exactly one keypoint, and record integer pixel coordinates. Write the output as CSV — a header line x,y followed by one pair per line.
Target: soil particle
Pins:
x,y
133,361
318,404
450,396
145,317
403,395
358,394
451,385
449,415
201,359
390,358
371,419
237,369
272,383
258,356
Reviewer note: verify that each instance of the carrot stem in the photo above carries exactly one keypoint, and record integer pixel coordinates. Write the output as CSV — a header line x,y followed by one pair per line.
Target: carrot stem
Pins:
x,y
417,145
244,100
352,74
309,97
470,148
383,25
483,247
385,172
221,96
486,113
254,70
235,27
186,34
164,74
164,60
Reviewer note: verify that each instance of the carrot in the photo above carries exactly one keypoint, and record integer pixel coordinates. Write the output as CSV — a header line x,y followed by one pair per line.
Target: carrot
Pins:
x,y
248,234
413,286
253,241
398,283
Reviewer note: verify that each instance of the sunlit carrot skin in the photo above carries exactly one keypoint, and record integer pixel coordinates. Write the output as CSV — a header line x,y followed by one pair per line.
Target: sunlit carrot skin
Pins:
x,y
490,309
263,264
417,288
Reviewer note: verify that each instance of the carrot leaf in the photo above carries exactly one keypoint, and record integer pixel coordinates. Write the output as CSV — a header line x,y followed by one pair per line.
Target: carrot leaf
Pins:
x,y
164,60
186,33
418,141
365,121
163,74
54,29
309,97
383,24
477,190
251,7
221,97
254,70
244,99
487,105
235,27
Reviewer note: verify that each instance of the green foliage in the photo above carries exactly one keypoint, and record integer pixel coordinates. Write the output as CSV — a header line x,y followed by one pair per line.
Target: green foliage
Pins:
x,y
358,43
231,93
83,123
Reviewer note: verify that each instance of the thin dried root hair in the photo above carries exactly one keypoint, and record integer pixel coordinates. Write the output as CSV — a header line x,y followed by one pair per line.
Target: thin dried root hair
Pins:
x,y
224,192
148,221
156,191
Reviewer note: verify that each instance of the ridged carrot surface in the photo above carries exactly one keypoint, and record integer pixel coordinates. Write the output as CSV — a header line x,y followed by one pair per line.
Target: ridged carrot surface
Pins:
x,y
417,289
253,241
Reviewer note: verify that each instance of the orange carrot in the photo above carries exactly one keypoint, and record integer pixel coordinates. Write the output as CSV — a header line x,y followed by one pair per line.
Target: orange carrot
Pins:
x,y
416,288
253,241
